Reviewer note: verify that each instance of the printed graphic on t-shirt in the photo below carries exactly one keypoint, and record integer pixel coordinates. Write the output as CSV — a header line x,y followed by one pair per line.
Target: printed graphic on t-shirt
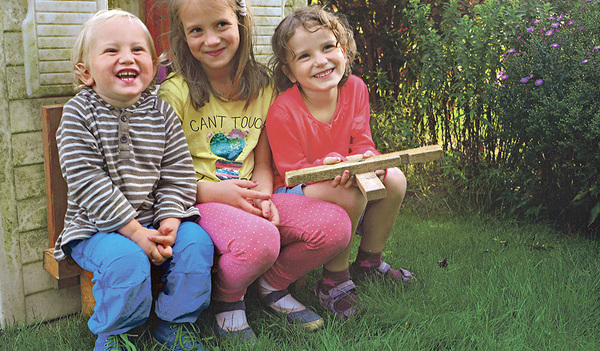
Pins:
x,y
228,148
228,170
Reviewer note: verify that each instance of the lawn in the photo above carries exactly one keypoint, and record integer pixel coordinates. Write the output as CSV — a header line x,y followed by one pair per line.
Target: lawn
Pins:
x,y
485,283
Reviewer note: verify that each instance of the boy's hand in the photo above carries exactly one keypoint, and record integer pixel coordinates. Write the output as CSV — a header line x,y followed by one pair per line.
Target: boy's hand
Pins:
x,y
142,237
168,233
268,210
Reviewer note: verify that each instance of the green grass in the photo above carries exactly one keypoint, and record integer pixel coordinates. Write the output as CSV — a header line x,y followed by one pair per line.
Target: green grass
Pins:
x,y
508,285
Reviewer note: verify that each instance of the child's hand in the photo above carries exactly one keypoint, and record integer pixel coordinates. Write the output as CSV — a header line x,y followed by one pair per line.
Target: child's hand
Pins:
x,y
331,160
142,237
380,172
269,210
234,192
345,180
166,239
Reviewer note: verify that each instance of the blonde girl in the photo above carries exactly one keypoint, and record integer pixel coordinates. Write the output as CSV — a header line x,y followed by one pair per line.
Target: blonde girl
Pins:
x,y
222,95
322,117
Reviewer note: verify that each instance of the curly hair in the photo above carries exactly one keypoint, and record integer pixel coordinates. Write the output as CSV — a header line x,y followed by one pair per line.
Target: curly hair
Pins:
x,y
311,18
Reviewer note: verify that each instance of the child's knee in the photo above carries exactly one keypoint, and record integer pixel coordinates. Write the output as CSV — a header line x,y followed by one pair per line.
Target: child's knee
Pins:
x,y
260,246
395,183
190,233
130,269
195,247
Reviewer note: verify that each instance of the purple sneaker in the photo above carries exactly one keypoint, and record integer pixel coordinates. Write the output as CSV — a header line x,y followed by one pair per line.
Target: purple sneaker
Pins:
x,y
384,270
341,299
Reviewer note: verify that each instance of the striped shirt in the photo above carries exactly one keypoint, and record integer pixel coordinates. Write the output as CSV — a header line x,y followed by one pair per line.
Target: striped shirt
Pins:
x,y
122,164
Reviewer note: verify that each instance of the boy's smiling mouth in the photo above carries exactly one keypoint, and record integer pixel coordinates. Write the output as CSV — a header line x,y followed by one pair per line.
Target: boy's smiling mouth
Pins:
x,y
127,75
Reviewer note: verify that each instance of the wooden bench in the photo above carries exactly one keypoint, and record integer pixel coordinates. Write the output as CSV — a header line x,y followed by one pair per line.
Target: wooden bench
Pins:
x,y
65,273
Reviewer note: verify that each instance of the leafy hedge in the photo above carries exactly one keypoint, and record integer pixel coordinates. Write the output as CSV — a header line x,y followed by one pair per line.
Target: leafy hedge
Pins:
x,y
442,71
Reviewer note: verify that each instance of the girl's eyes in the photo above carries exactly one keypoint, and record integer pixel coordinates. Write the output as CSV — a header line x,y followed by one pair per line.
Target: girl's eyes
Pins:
x,y
329,47
222,24
303,56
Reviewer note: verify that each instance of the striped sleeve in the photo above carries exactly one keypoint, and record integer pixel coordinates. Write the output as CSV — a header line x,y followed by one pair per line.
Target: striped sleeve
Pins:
x,y
82,162
176,190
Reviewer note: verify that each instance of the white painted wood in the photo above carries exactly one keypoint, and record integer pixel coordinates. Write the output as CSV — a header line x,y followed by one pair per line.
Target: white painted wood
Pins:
x,y
53,24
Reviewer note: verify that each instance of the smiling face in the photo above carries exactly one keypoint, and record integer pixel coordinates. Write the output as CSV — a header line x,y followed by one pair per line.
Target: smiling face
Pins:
x,y
315,61
119,64
212,34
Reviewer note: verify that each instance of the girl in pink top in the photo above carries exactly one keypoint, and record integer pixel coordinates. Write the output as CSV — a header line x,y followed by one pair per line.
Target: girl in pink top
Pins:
x,y
322,117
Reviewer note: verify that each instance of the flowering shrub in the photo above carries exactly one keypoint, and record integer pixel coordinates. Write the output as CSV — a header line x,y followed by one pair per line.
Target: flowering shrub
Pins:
x,y
547,98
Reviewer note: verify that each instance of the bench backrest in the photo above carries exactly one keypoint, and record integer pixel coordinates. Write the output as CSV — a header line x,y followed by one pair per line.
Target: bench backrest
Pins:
x,y
56,188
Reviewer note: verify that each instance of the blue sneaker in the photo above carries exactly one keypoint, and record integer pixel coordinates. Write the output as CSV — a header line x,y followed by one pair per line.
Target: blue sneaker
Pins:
x,y
114,343
177,336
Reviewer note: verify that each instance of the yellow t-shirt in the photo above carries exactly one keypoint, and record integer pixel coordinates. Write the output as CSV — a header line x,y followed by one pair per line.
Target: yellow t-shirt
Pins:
x,y
221,135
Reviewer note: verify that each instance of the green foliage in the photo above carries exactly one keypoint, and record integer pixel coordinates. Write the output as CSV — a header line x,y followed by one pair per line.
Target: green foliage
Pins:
x,y
548,108
431,66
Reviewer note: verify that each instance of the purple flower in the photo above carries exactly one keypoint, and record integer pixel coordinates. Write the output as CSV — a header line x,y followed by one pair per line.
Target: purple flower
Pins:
x,y
537,21
551,17
530,76
531,29
597,47
555,25
504,76
549,33
517,54
510,51
560,17
555,45
524,80
580,28
539,82
570,22
585,61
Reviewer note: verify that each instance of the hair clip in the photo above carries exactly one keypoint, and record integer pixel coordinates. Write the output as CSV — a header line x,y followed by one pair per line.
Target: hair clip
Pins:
x,y
242,11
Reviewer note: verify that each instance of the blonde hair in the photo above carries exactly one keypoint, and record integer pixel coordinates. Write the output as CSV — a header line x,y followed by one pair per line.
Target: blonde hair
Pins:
x,y
311,18
250,76
81,48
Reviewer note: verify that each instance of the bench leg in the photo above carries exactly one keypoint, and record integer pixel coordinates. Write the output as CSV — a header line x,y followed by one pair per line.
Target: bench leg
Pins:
x,y
87,298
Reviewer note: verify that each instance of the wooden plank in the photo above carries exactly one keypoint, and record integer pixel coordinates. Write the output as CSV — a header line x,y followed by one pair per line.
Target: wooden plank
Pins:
x,y
373,163
65,273
371,186
56,187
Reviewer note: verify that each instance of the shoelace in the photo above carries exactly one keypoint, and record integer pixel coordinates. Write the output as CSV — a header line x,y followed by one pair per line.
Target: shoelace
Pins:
x,y
119,342
184,336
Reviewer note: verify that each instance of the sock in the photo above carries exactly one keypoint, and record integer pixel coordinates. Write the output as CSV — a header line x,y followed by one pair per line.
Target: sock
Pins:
x,y
232,320
285,304
331,279
366,259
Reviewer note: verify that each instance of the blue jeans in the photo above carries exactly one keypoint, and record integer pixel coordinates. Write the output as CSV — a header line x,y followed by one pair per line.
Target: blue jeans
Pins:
x,y
122,284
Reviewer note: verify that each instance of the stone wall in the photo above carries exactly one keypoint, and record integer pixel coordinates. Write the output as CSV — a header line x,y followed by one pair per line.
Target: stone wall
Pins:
x,y
26,292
